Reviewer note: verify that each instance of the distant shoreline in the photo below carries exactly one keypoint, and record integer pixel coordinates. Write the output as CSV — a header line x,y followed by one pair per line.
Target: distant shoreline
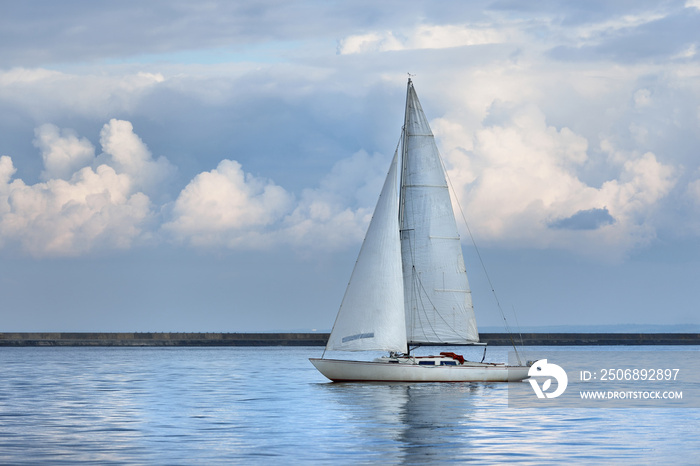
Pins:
x,y
319,339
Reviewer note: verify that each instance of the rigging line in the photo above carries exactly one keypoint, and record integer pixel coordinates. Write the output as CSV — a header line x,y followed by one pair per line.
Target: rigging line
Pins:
x,y
416,282
419,319
416,317
422,306
437,313
517,325
481,260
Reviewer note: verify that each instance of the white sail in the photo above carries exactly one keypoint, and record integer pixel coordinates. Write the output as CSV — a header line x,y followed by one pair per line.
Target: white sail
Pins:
x,y
371,316
438,302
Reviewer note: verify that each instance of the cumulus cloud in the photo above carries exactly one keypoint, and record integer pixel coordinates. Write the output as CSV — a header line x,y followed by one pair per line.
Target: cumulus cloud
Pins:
x,y
546,149
62,151
95,208
226,206
519,183
88,202
518,166
336,214
518,179
129,155
85,202
230,208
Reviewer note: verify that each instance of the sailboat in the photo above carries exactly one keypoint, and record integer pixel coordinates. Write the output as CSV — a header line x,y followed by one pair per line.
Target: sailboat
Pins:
x,y
409,286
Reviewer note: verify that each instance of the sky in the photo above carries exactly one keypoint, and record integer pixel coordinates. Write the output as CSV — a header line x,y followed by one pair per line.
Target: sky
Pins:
x,y
212,166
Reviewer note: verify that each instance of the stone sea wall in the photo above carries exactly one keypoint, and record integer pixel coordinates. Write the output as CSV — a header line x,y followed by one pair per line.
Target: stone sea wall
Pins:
x,y
319,339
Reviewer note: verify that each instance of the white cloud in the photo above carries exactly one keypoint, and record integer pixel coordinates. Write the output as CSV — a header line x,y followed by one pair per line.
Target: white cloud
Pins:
x,y
226,206
597,31
47,94
7,169
230,208
688,52
521,126
337,213
523,166
131,156
59,217
79,208
318,225
692,4
62,151
24,76
422,37
519,178
370,42
88,202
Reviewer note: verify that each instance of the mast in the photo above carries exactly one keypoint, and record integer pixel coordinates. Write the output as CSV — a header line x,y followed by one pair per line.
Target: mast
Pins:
x,y
404,234
404,146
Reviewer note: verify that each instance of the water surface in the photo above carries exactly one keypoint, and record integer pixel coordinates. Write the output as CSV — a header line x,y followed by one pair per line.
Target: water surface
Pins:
x,y
270,406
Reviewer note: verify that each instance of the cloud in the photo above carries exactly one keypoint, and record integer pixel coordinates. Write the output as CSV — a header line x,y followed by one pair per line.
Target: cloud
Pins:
x,y
517,166
519,183
85,202
230,208
651,34
94,209
88,202
529,140
129,155
336,214
178,30
62,152
48,94
518,178
226,206
422,37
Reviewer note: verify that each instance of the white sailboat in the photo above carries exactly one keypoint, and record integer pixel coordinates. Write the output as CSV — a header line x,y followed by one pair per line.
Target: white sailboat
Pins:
x,y
409,286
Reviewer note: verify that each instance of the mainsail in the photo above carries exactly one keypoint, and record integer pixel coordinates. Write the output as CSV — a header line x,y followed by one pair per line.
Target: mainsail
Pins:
x,y
371,316
409,284
438,304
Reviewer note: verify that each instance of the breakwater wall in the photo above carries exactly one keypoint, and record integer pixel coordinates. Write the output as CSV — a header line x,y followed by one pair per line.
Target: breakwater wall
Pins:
x,y
319,339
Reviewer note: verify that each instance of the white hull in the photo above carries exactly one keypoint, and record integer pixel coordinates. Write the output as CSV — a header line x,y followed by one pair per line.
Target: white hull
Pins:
x,y
339,370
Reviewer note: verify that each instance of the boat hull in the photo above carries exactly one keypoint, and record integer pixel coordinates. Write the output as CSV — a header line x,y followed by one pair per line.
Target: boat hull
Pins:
x,y
339,370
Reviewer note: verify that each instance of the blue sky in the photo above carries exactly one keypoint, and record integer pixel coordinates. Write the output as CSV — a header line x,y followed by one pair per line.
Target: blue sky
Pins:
x,y
184,166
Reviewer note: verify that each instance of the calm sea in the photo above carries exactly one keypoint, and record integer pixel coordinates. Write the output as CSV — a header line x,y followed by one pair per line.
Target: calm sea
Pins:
x,y
270,406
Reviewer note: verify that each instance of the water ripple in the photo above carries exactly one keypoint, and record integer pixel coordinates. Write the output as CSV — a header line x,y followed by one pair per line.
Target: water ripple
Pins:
x,y
270,406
